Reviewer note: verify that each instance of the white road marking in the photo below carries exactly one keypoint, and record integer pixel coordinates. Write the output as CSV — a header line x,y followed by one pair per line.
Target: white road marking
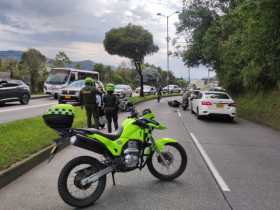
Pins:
x,y
27,107
179,113
219,179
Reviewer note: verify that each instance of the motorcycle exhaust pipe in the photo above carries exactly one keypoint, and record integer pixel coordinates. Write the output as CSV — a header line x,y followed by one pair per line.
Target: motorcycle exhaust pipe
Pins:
x,y
94,177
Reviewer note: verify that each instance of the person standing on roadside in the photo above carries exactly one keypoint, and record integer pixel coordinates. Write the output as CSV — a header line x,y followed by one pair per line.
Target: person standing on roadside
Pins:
x,y
185,100
159,94
111,103
88,100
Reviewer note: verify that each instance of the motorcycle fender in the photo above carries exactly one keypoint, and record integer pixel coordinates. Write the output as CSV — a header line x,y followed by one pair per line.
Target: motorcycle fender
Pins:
x,y
160,143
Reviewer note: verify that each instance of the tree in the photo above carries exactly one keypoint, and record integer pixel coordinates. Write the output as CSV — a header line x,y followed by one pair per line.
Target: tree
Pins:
x,y
9,66
133,42
78,66
61,59
239,39
34,62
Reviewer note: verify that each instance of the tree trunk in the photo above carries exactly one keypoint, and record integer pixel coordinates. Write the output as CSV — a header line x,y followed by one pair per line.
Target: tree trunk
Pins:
x,y
141,84
32,84
33,81
139,71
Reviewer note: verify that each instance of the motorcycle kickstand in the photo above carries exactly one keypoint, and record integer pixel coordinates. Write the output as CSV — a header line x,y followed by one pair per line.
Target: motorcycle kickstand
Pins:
x,y
113,178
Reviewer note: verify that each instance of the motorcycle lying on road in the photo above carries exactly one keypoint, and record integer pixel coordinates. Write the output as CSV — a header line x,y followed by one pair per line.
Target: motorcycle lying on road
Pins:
x,y
83,179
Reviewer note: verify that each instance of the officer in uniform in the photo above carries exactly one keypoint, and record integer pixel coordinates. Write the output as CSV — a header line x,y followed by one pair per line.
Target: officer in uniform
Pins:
x,y
111,103
88,100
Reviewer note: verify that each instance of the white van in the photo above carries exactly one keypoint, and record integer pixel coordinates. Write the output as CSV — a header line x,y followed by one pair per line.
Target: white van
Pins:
x,y
59,78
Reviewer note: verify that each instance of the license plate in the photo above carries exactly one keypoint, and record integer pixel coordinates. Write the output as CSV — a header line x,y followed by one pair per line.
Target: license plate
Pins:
x,y
67,97
220,105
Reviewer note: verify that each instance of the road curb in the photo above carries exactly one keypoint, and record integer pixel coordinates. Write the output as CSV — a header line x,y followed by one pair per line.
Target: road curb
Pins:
x,y
39,96
16,170
21,167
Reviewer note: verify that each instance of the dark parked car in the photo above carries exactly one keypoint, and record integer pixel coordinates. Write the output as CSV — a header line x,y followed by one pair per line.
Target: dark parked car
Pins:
x,y
14,90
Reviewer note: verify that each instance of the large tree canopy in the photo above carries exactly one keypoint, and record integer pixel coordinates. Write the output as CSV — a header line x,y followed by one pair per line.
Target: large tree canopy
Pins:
x,y
240,39
133,42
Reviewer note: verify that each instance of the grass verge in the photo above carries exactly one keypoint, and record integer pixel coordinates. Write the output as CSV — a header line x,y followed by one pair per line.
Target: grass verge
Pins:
x,y
262,108
22,138
137,99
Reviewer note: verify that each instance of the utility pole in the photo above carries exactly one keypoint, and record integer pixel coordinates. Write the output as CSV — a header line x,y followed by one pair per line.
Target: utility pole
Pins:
x,y
167,54
167,43
189,75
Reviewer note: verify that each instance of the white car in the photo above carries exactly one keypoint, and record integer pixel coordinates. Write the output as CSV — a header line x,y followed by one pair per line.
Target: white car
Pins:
x,y
123,90
172,89
209,103
147,89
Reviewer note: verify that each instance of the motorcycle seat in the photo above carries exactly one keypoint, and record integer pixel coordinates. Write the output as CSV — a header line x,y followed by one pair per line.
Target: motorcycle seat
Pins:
x,y
110,136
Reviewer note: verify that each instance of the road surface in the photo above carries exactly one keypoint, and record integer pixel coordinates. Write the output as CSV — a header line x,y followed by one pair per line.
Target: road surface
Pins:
x,y
15,111
241,171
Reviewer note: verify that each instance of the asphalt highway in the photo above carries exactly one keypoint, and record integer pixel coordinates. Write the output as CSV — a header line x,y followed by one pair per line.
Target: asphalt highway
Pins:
x,y
230,166
15,111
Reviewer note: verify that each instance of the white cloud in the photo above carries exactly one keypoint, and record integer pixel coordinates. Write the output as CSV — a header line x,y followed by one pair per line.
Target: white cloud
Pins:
x,y
78,27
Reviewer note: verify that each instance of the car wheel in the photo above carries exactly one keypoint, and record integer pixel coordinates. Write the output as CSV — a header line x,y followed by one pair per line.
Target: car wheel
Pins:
x,y
55,96
2,103
192,110
197,114
24,99
231,119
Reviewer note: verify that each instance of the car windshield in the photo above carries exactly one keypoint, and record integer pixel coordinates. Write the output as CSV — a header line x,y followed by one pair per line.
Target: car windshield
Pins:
x,y
77,84
216,96
146,87
120,86
58,77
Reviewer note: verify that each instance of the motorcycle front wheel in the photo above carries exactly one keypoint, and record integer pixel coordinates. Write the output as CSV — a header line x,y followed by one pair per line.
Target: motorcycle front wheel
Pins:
x,y
70,187
174,165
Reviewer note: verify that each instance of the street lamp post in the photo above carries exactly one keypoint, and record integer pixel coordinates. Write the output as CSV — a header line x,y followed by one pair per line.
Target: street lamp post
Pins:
x,y
167,43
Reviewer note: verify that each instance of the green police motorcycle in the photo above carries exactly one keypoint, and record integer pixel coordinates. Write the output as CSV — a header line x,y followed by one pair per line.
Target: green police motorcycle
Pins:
x,y
83,179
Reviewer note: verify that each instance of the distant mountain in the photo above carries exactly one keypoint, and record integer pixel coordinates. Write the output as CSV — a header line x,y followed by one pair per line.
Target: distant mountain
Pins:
x,y
10,54
85,64
16,55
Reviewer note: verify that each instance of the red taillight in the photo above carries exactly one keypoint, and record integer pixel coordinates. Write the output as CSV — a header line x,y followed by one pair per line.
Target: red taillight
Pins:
x,y
232,104
207,103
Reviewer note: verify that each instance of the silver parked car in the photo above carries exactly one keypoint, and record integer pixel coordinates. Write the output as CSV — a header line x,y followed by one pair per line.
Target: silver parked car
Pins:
x,y
71,94
147,89
172,89
123,90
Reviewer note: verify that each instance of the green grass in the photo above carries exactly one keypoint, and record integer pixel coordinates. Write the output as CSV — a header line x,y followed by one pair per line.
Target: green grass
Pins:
x,y
22,138
137,99
263,108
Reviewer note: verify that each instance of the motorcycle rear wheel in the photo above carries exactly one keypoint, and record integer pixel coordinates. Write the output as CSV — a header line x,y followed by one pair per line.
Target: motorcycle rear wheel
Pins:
x,y
63,187
168,156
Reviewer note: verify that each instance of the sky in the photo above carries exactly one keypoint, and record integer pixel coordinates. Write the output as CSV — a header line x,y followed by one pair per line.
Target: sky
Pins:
x,y
78,27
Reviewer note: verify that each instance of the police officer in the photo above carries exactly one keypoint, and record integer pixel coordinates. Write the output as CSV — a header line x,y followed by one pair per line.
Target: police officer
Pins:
x,y
88,100
111,103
